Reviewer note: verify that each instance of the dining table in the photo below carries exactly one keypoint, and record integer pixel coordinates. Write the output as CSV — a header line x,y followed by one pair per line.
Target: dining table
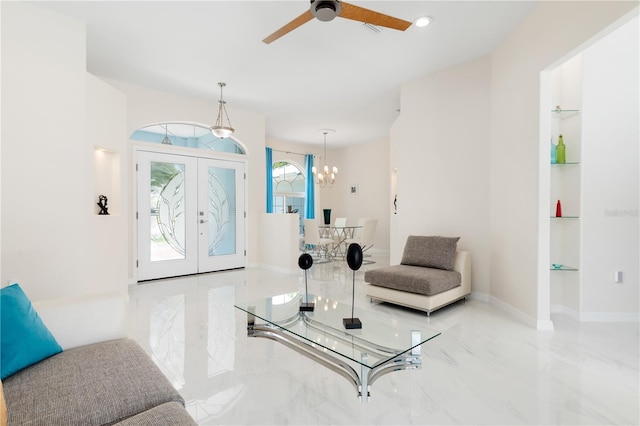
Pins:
x,y
339,234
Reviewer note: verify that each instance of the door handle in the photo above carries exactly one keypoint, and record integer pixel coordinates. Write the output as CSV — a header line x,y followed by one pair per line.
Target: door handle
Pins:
x,y
203,221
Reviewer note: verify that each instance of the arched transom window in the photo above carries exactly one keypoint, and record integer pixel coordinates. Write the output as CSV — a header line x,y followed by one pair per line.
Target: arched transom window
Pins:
x,y
190,135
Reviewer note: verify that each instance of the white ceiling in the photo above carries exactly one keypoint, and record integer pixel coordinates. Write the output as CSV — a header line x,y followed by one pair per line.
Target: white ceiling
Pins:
x,y
336,74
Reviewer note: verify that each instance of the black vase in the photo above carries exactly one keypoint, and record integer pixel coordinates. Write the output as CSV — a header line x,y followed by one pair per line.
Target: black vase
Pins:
x,y
327,216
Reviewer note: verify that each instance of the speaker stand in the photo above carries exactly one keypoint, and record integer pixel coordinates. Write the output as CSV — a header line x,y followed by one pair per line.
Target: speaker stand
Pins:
x,y
351,323
307,307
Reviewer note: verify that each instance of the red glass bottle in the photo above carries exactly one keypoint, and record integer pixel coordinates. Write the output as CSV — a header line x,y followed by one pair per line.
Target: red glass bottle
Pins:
x,y
558,209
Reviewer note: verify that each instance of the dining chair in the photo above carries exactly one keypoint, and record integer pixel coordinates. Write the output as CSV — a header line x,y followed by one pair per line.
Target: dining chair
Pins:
x,y
312,238
338,233
357,233
366,235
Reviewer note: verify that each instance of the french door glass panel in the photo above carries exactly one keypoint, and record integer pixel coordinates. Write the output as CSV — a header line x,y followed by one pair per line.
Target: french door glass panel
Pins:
x,y
167,228
167,204
221,214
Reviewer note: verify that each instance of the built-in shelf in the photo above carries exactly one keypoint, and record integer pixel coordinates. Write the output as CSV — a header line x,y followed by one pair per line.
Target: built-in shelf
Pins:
x,y
563,268
564,113
107,180
565,184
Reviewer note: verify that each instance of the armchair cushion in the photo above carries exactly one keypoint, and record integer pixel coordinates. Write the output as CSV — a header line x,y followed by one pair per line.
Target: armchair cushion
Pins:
x,y
430,252
98,384
414,279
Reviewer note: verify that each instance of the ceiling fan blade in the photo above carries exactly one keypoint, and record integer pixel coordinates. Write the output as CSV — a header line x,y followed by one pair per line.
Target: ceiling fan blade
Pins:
x,y
302,19
361,14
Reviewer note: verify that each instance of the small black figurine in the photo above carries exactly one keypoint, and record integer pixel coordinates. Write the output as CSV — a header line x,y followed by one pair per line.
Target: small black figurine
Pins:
x,y
102,203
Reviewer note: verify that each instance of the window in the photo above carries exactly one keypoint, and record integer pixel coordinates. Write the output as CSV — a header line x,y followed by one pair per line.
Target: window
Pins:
x,y
288,189
190,135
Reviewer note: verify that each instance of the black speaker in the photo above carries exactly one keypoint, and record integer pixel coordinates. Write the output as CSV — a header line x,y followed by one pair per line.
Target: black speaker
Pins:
x,y
354,260
354,256
305,261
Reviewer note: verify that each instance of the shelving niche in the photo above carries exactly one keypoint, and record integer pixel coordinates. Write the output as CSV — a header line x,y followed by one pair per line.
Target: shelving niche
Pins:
x,y
565,185
107,179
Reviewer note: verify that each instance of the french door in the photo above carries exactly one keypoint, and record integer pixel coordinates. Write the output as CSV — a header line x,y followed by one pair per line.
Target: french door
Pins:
x,y
190,215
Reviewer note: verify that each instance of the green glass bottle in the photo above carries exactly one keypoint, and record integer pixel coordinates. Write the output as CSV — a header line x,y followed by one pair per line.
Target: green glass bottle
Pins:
x,y
560,151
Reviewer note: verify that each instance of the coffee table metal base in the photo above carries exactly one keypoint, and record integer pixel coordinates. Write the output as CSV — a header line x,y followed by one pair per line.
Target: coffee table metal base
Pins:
x,y
362,382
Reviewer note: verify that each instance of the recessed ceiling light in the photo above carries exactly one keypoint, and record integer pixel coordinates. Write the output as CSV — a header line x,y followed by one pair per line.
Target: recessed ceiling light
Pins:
x,y
422,21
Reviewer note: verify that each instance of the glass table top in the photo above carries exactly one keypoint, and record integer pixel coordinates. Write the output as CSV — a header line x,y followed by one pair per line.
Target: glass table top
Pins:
x,y
381,338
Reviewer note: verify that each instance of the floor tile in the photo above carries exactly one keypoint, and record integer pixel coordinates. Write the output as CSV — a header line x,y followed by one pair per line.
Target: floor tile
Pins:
x,y
485,368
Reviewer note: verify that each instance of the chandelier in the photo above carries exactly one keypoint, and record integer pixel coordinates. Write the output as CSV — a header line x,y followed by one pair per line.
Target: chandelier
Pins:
x,y
219,129
327,176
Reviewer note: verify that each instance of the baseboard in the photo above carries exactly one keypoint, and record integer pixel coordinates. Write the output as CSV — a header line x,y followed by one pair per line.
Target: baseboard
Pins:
x,y
595,316
545,325
564,310
532,322
483,297
609,317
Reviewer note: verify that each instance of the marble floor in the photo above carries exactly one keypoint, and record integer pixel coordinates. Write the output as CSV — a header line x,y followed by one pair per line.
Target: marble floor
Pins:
x,y
485,368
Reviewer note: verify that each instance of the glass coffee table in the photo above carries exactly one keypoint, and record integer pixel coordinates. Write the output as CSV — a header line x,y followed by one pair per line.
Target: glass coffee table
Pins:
x,y
383,344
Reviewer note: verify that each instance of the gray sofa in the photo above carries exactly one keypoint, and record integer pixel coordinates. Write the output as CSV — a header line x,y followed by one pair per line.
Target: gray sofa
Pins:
x,y
432,274
102,382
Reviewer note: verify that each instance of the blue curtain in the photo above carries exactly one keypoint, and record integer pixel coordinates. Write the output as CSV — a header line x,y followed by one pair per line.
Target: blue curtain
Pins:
x,y
309,207
269,155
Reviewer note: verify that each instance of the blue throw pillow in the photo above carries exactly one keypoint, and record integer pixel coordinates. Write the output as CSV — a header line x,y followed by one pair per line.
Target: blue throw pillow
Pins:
x,y
24,339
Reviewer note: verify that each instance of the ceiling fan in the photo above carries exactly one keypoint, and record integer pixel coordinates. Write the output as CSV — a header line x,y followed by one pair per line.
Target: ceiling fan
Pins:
x,y
326,10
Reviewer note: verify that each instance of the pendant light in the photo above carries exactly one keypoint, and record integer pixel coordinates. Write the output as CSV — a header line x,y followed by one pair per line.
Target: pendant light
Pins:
x,y
219,129
327,176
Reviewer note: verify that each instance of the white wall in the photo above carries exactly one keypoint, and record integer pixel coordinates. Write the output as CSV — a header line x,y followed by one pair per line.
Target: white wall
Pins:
x,y
494,146
50,240
367,166
279,242
442,140
396,245
146,106
610,178
107,139
552,31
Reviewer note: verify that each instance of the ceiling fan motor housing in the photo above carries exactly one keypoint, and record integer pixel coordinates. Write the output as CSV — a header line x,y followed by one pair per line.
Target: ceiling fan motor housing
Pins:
x,y
325,10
